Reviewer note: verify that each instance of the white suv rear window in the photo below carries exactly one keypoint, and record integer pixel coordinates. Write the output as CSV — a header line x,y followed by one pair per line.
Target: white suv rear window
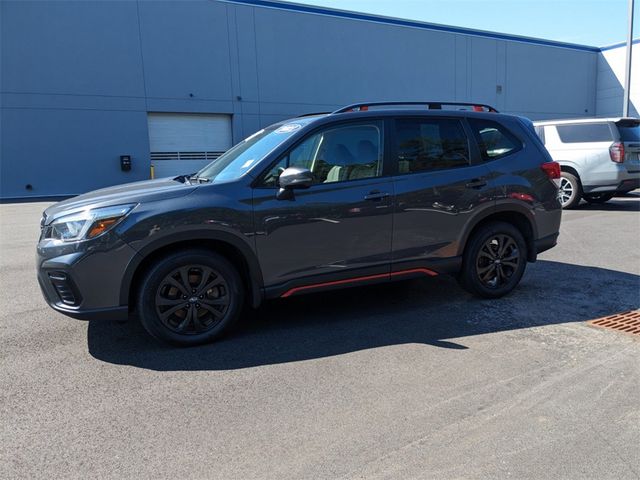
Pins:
x,y
586,132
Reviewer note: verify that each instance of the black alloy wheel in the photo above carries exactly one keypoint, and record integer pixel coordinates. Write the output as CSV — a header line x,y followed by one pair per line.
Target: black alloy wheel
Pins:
x,y
190,297
494,260
497,261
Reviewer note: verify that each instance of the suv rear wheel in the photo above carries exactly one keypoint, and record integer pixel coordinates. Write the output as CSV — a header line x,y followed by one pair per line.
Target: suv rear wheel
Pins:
x,y
570,190
494,260
190,297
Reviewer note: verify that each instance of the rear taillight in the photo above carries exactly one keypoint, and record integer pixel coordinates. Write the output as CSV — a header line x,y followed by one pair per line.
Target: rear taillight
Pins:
x,y
616,152
552,169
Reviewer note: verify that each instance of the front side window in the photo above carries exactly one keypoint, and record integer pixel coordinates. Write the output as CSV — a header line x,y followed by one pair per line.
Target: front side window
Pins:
x,y
585,132
494,140
430,144
335,154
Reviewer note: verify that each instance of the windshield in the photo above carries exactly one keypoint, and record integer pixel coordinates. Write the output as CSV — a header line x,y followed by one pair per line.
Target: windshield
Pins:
x,y
236,161
629,131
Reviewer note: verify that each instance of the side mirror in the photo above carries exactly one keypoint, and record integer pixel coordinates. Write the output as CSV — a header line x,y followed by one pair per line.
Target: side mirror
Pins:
x,y
296,177
292,178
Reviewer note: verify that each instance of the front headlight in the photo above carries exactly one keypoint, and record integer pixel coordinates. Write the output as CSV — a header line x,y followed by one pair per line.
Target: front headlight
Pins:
x,y
86,224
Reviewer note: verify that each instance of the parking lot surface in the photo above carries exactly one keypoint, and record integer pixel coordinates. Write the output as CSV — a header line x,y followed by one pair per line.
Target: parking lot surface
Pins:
x,y
412,380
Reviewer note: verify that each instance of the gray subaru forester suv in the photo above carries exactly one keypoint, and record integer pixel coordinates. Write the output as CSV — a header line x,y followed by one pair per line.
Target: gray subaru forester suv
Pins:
x,y
370,193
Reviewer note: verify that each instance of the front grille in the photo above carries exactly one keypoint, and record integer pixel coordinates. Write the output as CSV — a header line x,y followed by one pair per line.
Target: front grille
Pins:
x,y
64,288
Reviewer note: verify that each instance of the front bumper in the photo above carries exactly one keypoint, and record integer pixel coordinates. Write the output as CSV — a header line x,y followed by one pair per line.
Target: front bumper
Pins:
x,y
83,280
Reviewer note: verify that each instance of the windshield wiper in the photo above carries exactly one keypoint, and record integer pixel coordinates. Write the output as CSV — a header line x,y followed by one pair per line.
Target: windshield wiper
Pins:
x,y
195,178
183,178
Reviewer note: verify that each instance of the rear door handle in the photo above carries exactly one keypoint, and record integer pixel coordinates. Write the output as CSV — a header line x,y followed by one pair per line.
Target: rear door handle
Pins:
x,y
476,183
376,195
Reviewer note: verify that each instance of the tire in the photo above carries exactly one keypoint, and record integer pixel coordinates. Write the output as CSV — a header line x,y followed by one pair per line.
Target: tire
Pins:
x,y
598,197
485,271
570,190
190,298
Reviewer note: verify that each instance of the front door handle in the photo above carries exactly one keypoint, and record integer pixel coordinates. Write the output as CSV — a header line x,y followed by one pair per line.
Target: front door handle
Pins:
x,y
376,195
476,183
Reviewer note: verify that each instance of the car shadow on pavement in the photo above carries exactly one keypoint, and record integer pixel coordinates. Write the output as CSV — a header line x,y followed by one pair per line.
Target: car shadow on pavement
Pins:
x,y
433,311
629,202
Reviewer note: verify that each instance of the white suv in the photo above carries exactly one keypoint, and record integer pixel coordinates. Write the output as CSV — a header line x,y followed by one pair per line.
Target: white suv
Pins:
x,y
599,157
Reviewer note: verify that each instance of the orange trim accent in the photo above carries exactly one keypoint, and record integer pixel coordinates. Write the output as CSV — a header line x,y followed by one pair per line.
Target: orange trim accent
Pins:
x,y
426,271
295,290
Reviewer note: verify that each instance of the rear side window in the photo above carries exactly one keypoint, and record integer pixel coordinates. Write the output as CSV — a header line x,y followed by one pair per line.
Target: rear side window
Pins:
x,y
494,140
629,131
426,144
586,132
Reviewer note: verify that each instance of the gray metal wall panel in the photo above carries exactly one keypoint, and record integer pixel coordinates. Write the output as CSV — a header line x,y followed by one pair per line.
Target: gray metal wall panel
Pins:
x,y
185,49
75,48
553,81
304,58
70,151
79,77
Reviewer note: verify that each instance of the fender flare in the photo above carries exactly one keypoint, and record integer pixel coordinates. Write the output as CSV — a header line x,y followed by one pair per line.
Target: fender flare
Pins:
x,y
507,207
255,280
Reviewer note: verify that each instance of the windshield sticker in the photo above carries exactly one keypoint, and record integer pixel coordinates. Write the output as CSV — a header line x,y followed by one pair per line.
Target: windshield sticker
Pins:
x,y
290,127
254,135
248,163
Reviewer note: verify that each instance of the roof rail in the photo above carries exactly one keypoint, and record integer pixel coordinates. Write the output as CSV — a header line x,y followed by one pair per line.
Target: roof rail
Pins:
x,y
361,107
312,114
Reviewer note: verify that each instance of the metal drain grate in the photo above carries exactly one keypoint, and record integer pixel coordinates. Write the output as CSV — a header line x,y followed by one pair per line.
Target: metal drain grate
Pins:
x,y
628,322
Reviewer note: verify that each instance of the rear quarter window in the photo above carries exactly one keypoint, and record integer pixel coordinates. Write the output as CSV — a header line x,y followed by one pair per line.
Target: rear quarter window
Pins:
x,y
585,133
495,140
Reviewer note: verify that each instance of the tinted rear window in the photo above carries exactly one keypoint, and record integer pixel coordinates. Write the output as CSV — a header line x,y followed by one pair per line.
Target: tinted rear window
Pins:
x,y
426,144
586,132
629,132
494,140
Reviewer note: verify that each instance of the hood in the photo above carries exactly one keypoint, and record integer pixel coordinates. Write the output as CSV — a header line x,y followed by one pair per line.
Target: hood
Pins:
x,y
136,192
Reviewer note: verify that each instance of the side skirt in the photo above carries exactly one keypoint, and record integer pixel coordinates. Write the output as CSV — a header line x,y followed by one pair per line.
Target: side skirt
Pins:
x,y
401,271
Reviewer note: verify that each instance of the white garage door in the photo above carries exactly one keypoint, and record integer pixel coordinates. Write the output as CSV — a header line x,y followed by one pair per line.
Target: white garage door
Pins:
x,y
183,143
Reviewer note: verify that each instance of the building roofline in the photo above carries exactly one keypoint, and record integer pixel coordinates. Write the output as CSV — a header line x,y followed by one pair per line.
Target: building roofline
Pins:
x,y
619,44
333,12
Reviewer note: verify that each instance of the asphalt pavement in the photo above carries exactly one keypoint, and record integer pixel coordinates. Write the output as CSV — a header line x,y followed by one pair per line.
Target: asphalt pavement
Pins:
x,y
412,380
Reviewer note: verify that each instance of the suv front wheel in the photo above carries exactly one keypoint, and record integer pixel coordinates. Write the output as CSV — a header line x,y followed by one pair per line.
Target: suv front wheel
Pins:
x,y
190,297
494,260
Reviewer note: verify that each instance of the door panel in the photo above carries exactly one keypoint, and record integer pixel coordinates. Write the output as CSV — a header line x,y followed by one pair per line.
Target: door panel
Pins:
x,y
431,210
338,227
440,185
330,228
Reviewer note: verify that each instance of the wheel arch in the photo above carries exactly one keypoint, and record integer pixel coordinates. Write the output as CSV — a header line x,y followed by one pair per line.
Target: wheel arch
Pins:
x,y
518,216
234,250
565,167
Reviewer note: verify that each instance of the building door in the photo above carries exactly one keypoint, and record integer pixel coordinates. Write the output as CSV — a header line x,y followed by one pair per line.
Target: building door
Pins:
x,y
183,143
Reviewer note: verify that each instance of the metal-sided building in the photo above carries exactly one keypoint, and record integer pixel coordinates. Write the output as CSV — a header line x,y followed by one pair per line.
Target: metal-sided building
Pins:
x,y
174,83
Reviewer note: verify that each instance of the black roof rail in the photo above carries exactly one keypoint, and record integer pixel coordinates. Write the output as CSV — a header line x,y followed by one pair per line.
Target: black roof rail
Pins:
x,y
312,114
360,107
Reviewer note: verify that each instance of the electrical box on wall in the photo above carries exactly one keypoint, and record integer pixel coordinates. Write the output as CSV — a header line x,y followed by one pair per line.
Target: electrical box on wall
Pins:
x,y
125,163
